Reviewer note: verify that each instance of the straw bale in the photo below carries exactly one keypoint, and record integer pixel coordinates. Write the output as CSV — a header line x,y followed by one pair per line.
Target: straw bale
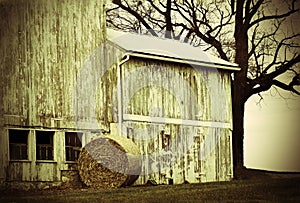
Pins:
x,y
109,162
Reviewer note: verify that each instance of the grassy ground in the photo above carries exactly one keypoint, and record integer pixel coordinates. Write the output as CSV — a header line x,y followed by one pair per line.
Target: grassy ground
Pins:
x,y
262,189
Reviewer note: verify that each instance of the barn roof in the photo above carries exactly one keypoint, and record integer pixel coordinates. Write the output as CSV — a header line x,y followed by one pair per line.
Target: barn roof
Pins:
x,y
146,46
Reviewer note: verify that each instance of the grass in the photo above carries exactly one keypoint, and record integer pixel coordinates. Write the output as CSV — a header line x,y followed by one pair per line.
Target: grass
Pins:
x,y
278,189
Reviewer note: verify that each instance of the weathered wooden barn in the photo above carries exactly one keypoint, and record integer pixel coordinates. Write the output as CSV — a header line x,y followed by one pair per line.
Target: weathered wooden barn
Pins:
x,y
65,80
43,45
176,105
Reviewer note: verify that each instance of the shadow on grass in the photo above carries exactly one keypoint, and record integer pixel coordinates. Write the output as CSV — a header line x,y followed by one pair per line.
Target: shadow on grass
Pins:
x,y
263,186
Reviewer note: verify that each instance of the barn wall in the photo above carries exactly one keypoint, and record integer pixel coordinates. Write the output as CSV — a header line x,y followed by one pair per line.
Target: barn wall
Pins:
x,y
44,44
169,90
192,106
194,154
106,106
57,170
57,74
45,49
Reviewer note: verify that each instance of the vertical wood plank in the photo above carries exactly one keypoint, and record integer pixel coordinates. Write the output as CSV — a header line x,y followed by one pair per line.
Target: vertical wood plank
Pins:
x,y
43,46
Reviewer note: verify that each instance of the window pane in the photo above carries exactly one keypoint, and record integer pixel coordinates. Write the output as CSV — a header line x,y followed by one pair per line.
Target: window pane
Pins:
x,y
18,144
73,145
44,137
44,145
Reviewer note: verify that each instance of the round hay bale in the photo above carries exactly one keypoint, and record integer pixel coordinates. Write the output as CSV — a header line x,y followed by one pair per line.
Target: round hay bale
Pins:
x,y
109,162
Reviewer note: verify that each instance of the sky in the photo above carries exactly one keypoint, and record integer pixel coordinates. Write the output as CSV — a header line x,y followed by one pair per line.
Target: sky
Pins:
x,y
272,132
272,127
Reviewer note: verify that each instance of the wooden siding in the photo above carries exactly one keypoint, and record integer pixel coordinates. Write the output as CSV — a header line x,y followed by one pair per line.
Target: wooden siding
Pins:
x,y
169,90
56,73
196,154
43,46
40,170
106,106
193,106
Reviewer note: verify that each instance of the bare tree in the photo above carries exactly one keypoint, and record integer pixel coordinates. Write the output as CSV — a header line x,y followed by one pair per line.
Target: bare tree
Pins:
x,y
258,35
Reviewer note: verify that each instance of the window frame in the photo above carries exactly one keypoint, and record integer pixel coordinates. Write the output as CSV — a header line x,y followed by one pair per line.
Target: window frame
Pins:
x,y
73,148
44,147
19,145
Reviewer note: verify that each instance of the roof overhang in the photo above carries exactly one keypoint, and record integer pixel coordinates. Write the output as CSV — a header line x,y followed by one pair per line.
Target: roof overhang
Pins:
x,y
144,46
181,60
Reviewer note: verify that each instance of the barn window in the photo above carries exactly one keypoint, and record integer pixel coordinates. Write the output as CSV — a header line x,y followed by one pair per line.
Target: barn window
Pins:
x,y
18,144
44,145
73,145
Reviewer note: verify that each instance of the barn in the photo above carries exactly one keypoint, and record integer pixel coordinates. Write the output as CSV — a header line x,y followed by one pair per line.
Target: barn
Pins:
x,y
67,80
176,106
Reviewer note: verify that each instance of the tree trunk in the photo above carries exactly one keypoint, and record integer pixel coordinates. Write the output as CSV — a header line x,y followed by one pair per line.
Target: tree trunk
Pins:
x,y
168,20
240,95
238,132
240,90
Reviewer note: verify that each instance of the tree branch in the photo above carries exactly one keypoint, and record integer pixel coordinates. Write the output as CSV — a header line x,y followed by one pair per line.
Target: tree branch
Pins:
x,y
155,7
115,8
265,81
286,87
136,15
249,13
273,17
277,51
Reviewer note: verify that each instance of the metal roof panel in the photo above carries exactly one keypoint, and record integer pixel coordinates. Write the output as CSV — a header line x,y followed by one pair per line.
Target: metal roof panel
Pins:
x,y
168,48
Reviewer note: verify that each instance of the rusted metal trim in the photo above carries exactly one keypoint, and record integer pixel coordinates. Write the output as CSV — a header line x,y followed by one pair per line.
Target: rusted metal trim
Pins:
x,y
152,119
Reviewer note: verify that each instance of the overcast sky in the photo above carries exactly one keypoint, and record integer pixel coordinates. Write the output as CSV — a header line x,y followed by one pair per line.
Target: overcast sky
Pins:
x,y
272,132
272,128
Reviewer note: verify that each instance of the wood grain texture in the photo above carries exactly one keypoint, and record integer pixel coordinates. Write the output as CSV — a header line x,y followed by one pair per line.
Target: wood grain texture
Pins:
x,y
56,73
170,90
43,46
194,154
